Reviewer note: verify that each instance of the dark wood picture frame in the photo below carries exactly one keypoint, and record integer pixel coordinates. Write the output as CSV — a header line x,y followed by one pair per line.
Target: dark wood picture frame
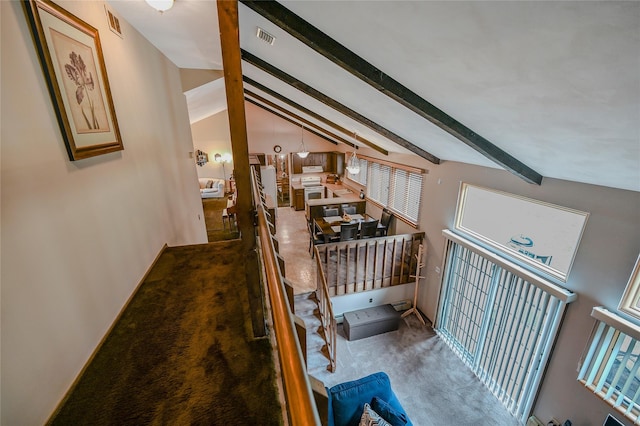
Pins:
x,y
73,65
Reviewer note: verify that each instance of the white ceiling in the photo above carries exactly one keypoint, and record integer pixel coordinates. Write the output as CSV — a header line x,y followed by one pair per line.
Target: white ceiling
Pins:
x,y
554,84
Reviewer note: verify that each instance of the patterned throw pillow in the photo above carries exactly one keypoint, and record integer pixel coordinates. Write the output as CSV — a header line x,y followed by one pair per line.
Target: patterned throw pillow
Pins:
x,y
209,184
371,418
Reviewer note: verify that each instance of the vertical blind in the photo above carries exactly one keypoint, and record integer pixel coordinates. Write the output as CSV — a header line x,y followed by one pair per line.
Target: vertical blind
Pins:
x,y
500,320
610,367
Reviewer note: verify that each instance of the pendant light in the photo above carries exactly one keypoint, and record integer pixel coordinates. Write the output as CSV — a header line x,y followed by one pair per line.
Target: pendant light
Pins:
x,y
160,5
353,165
302,153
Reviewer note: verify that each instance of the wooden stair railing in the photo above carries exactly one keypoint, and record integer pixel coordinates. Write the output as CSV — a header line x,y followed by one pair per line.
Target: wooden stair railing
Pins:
x,y
361,265
300,404
327,318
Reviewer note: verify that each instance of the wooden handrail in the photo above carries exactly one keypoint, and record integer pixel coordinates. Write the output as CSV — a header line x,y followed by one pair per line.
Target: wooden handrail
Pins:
x,y
299,396
327,317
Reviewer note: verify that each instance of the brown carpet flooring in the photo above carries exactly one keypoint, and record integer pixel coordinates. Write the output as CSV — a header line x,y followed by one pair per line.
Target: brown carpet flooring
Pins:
x,y
181,353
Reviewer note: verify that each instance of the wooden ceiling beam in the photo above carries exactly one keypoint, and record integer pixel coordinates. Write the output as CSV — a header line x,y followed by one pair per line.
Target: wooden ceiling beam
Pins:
x,y
313,114
285,118
291,117
359,67
343,109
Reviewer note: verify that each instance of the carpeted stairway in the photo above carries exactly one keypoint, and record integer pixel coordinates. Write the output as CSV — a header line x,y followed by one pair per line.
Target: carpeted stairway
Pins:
x,y
181,353
216,229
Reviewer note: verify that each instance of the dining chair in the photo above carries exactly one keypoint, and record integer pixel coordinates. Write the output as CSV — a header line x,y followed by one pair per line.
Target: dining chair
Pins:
x,y
348,231
385,221
329,211
368,229
348,209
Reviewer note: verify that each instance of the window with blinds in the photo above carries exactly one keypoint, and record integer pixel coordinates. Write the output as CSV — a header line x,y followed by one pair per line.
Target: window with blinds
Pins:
x,y
360,177
405,194
500,319
379,179
610,367
395,188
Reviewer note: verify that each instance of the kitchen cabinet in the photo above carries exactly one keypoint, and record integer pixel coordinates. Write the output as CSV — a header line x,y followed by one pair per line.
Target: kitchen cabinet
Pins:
x,y
338,163
331,162
298,198
335,163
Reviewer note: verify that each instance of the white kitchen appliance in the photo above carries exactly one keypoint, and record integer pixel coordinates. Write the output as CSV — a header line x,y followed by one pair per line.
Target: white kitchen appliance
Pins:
x,y
268,178
317,191
312,169
307,181
312,185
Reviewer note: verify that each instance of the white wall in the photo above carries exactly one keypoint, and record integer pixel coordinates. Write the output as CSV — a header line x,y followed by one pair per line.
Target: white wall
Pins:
x,y
77,237
212,136
264,130
605,259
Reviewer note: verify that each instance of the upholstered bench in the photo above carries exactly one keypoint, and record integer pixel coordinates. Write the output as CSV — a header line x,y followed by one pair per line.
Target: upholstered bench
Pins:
x,y
370,321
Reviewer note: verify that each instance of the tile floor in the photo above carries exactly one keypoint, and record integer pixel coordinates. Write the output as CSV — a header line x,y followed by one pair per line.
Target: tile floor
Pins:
x,y
292,234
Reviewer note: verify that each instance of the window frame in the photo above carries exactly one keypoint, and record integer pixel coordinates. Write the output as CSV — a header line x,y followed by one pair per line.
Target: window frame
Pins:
x,y
630,302
364,167
609,332
375,194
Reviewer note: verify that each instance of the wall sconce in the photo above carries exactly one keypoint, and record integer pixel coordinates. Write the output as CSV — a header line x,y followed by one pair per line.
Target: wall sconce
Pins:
x,y
160,5
201,158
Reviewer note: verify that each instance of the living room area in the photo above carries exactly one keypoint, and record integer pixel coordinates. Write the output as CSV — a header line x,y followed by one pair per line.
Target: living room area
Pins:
x,y
431,383
433,386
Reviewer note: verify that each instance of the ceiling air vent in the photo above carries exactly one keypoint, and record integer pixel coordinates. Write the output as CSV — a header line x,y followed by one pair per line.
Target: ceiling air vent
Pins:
x,y
265,36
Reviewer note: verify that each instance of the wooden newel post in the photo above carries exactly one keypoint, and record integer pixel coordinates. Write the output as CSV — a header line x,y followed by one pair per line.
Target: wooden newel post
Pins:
x,y
232,70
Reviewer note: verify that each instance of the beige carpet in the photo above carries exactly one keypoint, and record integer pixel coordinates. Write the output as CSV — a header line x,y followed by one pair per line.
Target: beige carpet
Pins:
x,y
431,382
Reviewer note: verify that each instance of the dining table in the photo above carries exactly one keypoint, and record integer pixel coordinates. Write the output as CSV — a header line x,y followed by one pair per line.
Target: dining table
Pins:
x,y
330,225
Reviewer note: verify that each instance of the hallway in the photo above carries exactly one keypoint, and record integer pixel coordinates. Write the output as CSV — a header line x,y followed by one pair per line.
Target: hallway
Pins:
x,y
293,236
182,352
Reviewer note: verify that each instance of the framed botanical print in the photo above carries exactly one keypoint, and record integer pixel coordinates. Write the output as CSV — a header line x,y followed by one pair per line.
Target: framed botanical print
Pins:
x,y
74,68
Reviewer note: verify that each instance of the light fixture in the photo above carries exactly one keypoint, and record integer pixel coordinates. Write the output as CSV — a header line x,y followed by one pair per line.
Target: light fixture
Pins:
x,y
303,151
201,158
353,165
226,158
160,5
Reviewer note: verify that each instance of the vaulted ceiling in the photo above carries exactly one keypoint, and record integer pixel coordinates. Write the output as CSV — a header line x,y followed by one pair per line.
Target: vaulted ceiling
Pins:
x,y
539,88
